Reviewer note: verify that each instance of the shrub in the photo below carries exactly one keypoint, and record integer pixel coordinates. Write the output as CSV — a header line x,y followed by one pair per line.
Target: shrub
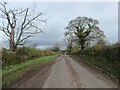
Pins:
x,y
105,57
22,54
109,53
9,58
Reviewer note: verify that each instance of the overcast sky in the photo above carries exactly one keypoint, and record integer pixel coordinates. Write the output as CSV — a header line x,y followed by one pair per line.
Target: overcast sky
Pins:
x,y
59,14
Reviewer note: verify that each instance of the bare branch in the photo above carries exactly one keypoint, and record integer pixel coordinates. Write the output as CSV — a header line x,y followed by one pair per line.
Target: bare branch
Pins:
x,y
25,38
24,42
4,30
29,21
24,21
19,32
20,12
13,19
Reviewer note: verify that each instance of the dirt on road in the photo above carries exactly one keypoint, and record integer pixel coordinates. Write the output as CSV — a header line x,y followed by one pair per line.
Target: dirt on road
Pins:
x,y
66,73
35,78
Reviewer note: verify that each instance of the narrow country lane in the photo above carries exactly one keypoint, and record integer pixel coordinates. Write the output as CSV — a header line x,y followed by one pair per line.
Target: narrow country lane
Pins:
x,y
66,73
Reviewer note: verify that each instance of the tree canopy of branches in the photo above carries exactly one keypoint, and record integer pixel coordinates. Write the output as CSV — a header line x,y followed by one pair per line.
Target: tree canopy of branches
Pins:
x,y
85,29
68,40
19,24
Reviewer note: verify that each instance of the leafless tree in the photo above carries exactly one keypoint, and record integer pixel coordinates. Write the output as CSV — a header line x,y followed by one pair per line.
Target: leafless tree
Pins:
x,y
19,24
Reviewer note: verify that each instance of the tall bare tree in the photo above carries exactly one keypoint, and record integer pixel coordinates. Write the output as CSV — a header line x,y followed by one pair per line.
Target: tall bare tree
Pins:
x,y
85,29
19,24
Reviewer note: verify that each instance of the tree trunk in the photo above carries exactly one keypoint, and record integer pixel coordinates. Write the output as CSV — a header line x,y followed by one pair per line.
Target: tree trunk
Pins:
x,y
82,47
82,44
11,41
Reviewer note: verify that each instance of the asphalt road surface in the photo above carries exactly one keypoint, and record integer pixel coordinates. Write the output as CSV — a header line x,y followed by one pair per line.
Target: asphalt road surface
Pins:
x,y
67,73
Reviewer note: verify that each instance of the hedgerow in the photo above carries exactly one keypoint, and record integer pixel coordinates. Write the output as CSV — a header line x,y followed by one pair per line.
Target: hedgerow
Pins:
x,y
22,54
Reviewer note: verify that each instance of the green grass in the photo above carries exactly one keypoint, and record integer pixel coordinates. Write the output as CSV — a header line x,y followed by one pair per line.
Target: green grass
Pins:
x,y
13,72
100,63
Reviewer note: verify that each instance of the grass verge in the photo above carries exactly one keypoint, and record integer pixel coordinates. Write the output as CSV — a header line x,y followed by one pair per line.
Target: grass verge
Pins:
x,y
12,73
